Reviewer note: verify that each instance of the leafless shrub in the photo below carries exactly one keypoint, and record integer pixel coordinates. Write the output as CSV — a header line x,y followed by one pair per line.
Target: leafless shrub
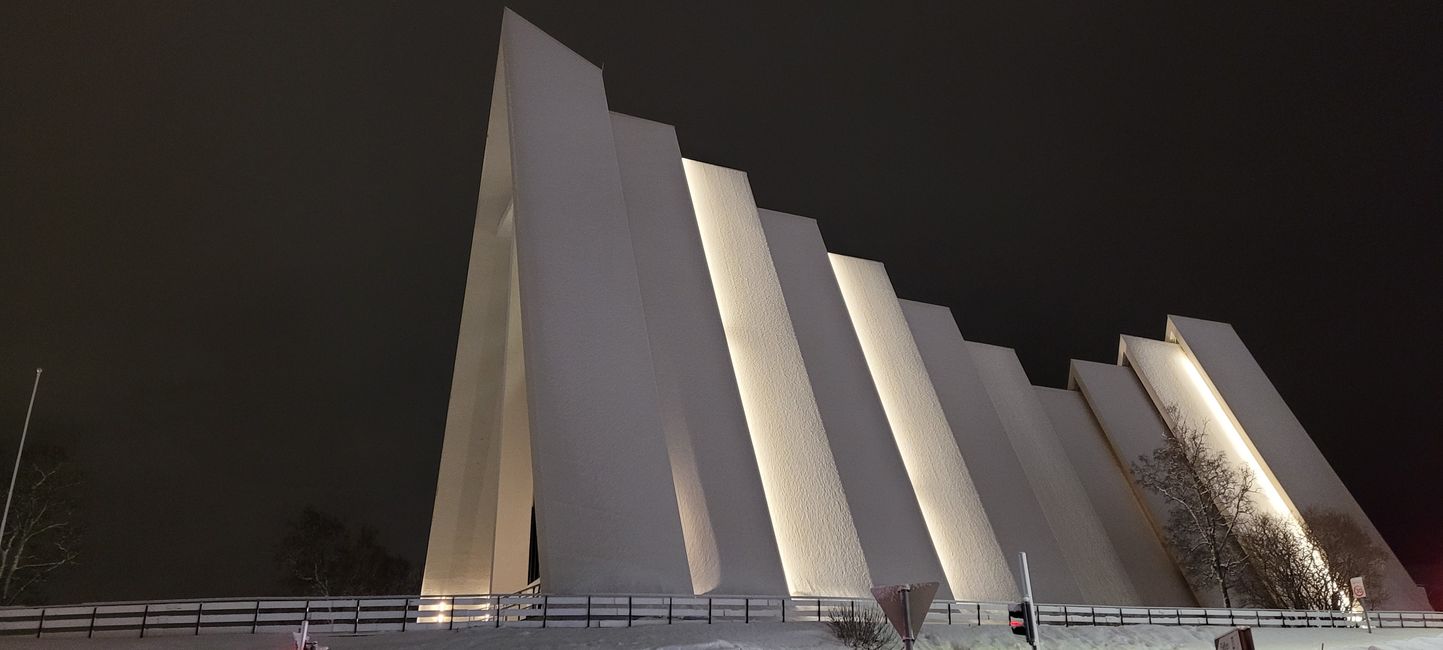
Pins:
x,y
863,628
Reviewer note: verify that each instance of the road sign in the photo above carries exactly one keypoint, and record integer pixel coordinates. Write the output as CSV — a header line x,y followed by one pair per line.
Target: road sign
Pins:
x,y
1358,590
906,607
1238,639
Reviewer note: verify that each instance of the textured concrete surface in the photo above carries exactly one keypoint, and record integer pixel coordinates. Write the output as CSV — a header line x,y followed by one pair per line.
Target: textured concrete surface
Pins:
x,y
729,540
961,533
888,518
1090,556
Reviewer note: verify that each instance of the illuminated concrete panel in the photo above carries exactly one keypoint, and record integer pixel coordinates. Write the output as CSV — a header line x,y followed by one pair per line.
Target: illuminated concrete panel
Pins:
x,y
1150,569
1172,380
975,566
888,519
814,527
463,520
1016,516
729,540
1134,428
511,554
606,509
1254,406
1089,552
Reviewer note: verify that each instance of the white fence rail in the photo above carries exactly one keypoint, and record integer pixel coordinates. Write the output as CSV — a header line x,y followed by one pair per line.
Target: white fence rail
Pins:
x,y
405,613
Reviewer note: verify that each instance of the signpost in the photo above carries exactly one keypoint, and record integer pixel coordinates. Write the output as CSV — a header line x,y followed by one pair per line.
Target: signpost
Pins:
x,y
906,607
1361,594
1239,638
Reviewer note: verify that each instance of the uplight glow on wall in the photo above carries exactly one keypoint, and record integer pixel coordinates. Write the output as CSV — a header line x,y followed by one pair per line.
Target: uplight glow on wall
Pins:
x,y
815,533
958,525
1174,379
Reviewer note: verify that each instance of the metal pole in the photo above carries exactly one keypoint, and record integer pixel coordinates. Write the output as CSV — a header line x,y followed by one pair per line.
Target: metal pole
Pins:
x,y
5,518
1029,609
1364,603
907,637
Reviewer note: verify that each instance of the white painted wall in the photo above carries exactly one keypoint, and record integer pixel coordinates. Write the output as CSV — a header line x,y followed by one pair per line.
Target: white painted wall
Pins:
x,y
606,510
816,535
1276,435
961,534
463,520
1090,555
884,507
1149,568
1133,428
729,540
1016,516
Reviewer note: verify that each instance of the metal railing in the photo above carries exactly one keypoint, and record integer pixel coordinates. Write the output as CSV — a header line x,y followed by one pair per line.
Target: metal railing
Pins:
x,y
405,613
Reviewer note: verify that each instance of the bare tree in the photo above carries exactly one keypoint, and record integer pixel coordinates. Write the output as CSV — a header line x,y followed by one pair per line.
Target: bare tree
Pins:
x,y
1209,500
321,555
1288,571
42,534
1348,551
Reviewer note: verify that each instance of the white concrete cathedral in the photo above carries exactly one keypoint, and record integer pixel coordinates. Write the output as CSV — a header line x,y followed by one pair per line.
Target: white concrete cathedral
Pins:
x,y
697,398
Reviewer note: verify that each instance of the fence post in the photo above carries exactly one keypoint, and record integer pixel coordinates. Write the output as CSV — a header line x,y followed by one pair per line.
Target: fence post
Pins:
x,y
588,612
497,614
256,616
451,615
144,614
545,609
668,610
356,623
90,633
405,612
1149,615
784,609
40,625
979,614
708,610
747,610
819,610
949,613
199,609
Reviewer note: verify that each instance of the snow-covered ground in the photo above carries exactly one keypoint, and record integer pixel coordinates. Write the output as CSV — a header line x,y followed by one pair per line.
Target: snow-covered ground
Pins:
x,y
770,636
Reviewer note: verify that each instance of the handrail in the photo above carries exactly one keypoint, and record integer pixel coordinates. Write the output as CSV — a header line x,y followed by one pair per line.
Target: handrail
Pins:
x,y
530,609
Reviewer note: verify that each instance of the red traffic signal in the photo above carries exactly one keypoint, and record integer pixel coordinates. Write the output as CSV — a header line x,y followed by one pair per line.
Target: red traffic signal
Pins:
x,y
1022,619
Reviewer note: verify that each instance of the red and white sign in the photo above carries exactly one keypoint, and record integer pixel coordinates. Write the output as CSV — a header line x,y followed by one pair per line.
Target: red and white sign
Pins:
x,y
906,606
1358,590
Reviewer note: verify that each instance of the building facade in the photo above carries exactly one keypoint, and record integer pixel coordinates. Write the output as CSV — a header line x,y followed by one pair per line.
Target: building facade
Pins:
x,y
687,394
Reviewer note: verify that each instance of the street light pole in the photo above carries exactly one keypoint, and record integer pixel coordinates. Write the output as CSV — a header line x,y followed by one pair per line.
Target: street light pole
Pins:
x,y
5,519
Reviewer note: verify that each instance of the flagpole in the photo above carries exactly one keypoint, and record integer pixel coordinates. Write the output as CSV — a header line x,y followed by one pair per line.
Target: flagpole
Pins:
x,y
5,519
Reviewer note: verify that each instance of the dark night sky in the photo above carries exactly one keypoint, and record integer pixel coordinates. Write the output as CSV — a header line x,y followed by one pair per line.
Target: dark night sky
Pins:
x,y
235,233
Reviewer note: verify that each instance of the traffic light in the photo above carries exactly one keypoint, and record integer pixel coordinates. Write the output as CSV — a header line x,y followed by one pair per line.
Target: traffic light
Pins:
x,y
1023,620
